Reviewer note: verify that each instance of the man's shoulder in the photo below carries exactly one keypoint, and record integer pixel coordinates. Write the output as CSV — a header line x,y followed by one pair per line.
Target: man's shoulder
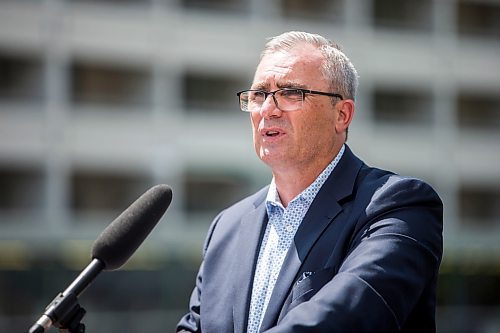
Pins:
x,y
386,188
234,213
379,188
227,223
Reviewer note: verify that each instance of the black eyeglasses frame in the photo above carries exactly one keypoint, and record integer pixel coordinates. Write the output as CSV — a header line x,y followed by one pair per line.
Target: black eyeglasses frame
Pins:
x,y
272,93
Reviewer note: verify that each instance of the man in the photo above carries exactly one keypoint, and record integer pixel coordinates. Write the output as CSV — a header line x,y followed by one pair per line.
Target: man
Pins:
x,y
332,245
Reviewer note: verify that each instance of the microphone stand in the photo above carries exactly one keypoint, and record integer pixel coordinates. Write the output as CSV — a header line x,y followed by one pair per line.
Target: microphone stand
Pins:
x,y
113,248
64,312
68,313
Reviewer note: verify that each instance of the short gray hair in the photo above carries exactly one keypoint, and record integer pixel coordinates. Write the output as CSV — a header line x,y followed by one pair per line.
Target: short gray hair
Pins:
x,y
337,68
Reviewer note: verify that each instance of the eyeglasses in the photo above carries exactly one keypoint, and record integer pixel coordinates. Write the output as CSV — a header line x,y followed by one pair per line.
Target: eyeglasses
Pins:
x,y
286,99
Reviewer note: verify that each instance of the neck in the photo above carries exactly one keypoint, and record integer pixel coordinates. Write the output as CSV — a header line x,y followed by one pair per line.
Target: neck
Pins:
x,y
290,186
291,181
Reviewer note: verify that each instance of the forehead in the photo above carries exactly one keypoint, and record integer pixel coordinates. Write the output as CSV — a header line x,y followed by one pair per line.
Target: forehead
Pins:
x,y
299,66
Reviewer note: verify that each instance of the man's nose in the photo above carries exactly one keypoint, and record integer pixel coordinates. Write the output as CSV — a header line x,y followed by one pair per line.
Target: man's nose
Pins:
x,y
270,108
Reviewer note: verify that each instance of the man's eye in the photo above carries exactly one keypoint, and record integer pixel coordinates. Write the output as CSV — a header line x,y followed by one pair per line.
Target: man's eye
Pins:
x,y
292,94
257,96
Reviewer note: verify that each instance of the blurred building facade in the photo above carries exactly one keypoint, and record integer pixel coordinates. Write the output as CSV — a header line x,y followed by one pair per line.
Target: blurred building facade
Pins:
x,y
99,100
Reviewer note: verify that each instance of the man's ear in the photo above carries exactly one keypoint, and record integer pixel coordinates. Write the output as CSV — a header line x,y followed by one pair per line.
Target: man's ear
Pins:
x,y
344,115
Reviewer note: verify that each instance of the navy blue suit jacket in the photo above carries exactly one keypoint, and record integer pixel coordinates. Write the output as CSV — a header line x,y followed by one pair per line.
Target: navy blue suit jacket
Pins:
x,y
364,259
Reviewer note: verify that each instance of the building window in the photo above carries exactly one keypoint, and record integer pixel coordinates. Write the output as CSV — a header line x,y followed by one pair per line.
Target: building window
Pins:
x,y
480,206
408,107
216,5
210,192
312,9
104,191
476,18
21,188
211,92
406,14
479,111
21,79
114,2
110,86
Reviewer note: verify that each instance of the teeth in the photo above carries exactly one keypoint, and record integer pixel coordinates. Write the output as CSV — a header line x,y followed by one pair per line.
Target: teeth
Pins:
x,y
272,133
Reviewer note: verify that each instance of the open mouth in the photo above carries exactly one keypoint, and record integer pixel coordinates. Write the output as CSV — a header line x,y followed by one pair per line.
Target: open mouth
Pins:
x,y
271,133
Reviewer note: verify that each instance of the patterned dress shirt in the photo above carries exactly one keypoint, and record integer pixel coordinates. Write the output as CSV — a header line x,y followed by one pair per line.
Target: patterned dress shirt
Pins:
x,y
280,230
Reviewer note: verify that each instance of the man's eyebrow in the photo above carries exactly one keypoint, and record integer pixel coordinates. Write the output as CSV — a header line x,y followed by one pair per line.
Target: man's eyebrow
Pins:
x,y
260,86
285,84
291,84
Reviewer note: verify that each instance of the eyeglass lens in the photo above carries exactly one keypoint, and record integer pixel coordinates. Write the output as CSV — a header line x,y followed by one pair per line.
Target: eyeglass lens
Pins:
x,y
285,99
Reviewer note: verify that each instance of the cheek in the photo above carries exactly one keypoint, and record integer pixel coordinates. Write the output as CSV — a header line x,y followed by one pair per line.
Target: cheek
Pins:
x,y
255,120
318,127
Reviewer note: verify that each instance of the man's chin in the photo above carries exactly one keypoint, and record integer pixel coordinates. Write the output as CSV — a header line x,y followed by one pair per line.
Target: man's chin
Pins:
x,y
271,157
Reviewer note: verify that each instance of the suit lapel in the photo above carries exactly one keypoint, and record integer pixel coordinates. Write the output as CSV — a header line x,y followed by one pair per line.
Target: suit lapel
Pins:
x,y
320,215
250,236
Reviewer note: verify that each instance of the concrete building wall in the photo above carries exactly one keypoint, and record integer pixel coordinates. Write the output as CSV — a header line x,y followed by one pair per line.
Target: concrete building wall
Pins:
x,y
99,100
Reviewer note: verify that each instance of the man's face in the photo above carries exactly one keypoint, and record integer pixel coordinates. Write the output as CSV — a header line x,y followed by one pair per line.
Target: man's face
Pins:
x,y
305,138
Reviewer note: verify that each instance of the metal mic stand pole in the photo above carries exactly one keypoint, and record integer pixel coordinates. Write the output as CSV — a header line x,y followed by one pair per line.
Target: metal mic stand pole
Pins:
x,y
64,312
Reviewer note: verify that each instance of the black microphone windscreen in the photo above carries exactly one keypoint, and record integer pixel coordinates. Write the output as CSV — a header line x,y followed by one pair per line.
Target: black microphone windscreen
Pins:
x,y
116,244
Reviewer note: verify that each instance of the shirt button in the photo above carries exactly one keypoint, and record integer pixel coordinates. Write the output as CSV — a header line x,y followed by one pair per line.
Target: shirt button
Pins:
x,y
289,228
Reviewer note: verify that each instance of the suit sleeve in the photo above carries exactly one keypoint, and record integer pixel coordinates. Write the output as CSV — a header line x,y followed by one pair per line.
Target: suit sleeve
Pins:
x,y
190,322
393,258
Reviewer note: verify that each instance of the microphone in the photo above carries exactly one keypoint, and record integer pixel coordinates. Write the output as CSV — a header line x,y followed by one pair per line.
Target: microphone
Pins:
x,y
114,246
